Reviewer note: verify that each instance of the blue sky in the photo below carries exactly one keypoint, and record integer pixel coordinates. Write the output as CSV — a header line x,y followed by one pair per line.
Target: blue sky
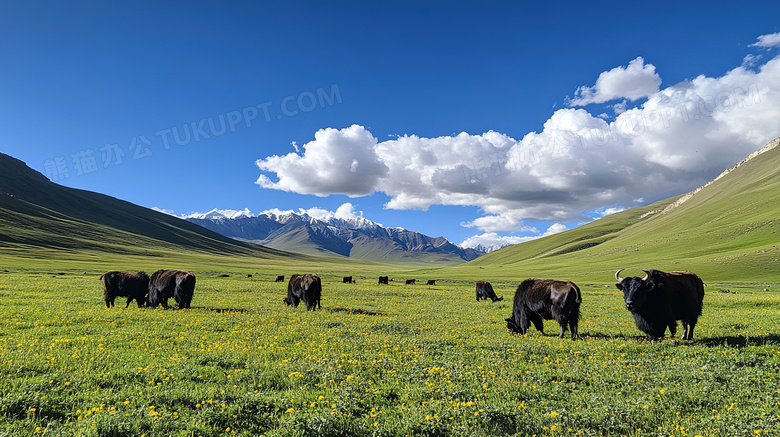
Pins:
x,y
481,122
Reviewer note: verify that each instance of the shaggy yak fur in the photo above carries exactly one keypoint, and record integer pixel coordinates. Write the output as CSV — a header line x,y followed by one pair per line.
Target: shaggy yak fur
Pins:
x,y
125,284
307,288
485,292
660,299
538,299
166,284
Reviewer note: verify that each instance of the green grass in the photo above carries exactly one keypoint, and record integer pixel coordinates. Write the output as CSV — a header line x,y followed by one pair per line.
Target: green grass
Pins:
x,y
390,360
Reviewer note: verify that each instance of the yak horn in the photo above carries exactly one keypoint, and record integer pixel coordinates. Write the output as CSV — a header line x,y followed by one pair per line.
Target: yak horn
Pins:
x,y
647,275
618,277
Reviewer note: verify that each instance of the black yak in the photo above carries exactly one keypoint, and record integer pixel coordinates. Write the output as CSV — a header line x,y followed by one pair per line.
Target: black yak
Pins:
x,y
383,280
304,287
431,282
660,299
347,280
125,284
280,278
166,284
539,299
411,281
485,291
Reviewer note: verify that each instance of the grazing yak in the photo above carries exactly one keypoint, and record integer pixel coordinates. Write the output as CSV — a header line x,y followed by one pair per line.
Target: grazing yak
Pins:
x,y
166,284
538,299
411,281
660,299
125,284
280,278
304,287
431,282
347,280
485,292
383,280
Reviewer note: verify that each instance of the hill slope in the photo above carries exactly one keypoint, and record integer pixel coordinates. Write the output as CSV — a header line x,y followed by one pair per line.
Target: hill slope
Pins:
x,y
728,229
37,213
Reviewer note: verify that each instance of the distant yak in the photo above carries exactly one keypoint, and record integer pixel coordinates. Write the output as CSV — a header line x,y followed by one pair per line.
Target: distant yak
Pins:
x,y
411,281
307,288
485,291
431,282
125,284
280,278
383,280
166,284
347,280
660,299
538,299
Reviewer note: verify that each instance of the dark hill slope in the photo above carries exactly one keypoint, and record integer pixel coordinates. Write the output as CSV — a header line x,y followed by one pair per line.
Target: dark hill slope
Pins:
x,y
35,212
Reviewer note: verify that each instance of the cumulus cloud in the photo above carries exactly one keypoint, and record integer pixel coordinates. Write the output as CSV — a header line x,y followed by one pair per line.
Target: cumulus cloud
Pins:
x,y
491,241
337,161
633,82
681,137
767,41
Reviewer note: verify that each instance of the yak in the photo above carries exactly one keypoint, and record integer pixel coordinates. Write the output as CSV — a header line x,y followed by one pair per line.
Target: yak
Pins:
x,y
166,284
660,299
304,287
431,282
485,292
347,280
280,278
411,281
383,280
538,299
125,284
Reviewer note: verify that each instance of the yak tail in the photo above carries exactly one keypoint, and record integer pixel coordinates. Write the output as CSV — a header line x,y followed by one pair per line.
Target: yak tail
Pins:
x,y
579,294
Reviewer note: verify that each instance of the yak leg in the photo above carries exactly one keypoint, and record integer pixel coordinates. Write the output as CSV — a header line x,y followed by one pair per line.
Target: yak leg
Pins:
x,y
522,322
562,324
688,326
573,326
129,299
537,321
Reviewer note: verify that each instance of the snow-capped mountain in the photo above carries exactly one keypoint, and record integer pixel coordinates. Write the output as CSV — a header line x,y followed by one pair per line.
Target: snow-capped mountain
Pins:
x,y
329,234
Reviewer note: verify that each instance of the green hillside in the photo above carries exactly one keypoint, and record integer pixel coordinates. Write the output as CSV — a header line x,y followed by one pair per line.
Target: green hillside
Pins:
x,y
43,220
726,230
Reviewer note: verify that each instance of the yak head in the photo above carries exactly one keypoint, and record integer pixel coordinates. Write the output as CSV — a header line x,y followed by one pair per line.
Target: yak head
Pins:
x,y
511,324
636,290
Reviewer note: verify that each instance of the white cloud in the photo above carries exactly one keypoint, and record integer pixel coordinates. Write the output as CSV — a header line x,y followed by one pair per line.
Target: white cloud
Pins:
x,y
492,241
337,161
680,138
769,40
347,211
633,82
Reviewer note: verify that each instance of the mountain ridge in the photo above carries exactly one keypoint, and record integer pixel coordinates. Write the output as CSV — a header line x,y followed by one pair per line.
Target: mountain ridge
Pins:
x,y
355,237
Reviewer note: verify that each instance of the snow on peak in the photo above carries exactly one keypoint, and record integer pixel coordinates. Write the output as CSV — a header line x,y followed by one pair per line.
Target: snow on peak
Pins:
x,y
221,214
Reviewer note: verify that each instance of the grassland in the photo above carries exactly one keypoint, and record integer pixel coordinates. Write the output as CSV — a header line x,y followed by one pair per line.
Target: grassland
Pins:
x,y
390,360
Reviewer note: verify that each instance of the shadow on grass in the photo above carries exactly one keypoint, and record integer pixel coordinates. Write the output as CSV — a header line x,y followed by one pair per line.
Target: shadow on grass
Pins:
x,y
358,311
222,310
739,340
728,341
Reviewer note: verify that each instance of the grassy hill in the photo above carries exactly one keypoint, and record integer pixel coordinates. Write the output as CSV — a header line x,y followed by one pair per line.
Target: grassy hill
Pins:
x,y
727,230
41,220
